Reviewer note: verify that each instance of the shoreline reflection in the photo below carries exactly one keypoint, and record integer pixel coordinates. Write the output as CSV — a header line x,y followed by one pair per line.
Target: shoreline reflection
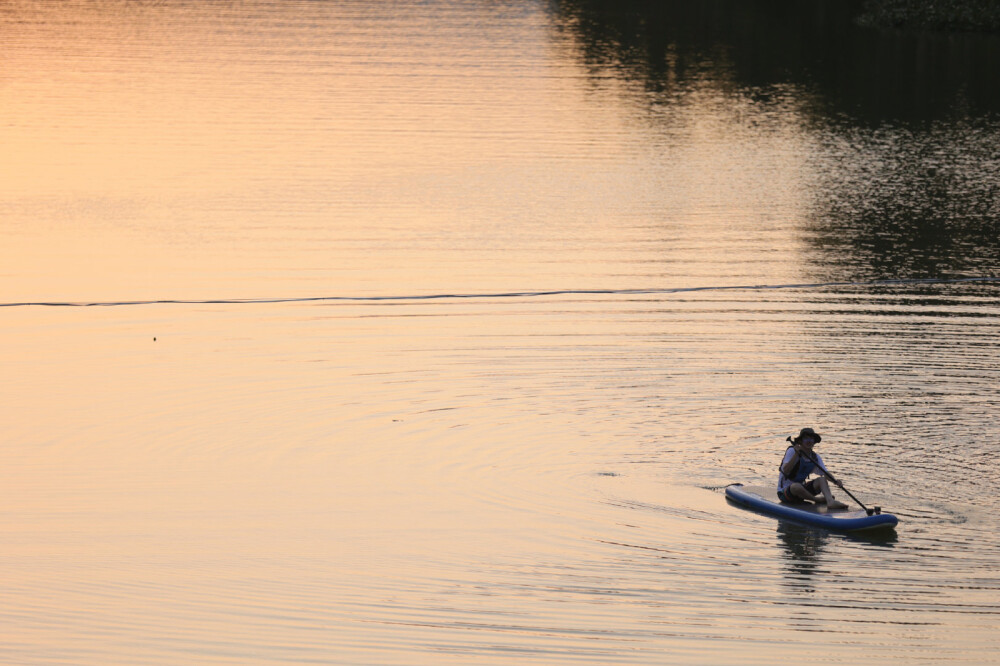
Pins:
x,y
897,161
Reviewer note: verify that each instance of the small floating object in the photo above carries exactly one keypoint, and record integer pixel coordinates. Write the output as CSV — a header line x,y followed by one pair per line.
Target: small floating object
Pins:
x,y
765,500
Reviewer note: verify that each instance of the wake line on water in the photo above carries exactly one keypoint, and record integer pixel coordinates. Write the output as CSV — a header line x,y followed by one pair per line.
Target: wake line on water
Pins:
x,y
495,295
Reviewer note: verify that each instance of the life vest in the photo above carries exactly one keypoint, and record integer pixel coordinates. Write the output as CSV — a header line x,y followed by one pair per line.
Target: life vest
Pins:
x,y
801,471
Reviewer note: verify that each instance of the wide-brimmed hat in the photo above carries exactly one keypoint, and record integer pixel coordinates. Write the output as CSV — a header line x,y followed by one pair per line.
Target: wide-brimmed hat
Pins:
x,y
809,432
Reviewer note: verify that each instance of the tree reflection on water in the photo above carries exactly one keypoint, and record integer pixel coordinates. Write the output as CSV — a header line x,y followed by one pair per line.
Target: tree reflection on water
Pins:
x,y
905,125
862,74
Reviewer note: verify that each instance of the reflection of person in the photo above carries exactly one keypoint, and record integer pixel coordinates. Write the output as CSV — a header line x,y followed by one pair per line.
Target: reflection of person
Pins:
x,y
799,462
804,548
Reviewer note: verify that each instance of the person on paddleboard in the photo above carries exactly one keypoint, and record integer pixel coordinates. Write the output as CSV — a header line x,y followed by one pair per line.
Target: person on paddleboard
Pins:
x,y
799,462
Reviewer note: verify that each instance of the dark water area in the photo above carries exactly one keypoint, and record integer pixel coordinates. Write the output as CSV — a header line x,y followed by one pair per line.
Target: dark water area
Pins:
x,y
843,71
950,15
907,123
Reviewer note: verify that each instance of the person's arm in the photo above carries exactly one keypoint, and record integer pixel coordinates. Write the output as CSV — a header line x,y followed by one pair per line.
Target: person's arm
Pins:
x,y
791,462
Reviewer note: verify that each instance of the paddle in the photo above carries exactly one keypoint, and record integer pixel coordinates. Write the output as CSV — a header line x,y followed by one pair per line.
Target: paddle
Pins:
x,y
870,512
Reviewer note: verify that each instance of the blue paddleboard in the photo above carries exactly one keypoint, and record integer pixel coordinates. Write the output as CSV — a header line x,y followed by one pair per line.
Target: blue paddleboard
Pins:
x,y
765,500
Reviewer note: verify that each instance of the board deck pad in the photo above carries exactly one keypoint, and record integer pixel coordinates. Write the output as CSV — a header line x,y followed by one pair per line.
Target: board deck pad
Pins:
x,y
765,499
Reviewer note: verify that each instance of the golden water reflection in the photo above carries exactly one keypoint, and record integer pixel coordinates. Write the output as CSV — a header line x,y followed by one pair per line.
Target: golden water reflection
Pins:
x,y
461,479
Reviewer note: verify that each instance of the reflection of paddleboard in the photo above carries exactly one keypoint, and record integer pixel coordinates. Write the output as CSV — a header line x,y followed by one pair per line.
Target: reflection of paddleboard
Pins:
x,y
765,500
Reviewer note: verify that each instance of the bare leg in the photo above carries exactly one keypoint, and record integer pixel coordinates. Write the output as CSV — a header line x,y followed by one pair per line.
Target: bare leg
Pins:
x,y
798,490
824,488
825,496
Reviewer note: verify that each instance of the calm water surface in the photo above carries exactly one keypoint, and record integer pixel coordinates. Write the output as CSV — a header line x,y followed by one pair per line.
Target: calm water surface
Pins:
x,y
532,471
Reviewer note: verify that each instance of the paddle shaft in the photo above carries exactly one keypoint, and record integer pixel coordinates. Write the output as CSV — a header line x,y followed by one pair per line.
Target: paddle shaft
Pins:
x,y
832,478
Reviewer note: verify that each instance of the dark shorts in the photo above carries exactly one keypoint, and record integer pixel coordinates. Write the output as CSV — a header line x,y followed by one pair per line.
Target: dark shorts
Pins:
x,y
812,486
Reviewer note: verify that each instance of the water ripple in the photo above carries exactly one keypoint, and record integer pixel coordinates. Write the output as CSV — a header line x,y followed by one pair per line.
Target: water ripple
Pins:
x,y
499,295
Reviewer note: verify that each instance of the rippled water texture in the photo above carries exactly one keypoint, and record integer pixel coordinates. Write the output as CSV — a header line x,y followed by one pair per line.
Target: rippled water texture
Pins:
x,y
433,332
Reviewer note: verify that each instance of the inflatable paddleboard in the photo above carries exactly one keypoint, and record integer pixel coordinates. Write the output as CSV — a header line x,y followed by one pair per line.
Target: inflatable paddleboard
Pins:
x,y
765,500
